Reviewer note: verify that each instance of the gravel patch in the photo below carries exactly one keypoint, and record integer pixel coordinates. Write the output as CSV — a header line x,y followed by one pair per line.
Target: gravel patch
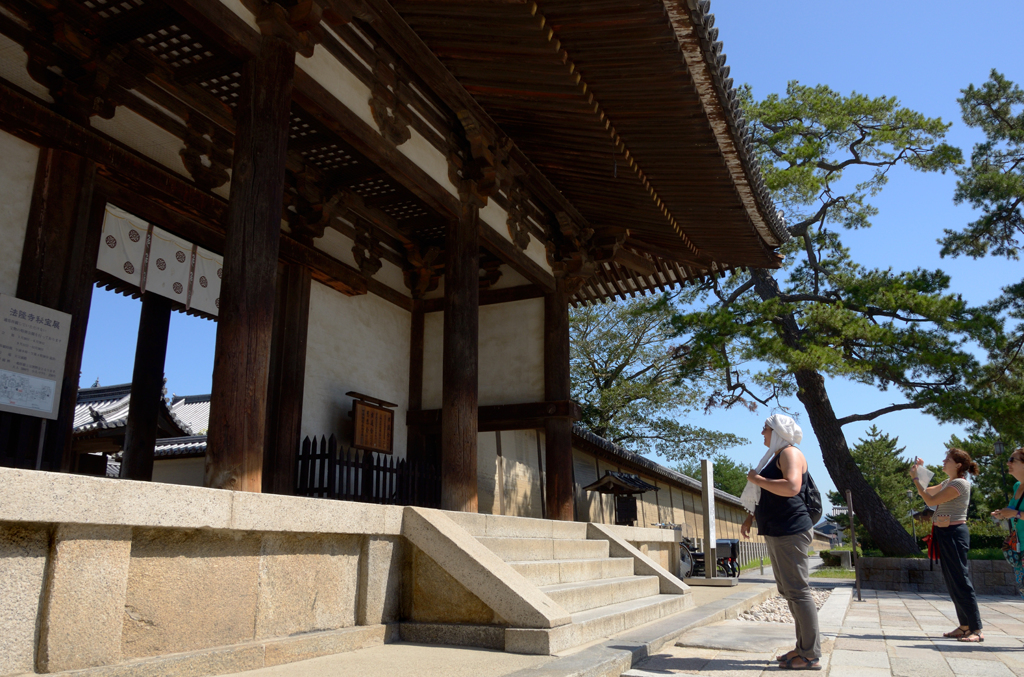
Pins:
x,y
776,609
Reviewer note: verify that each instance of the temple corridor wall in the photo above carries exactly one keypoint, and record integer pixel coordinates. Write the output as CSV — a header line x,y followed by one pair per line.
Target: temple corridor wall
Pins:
x,y
511,358
17,177
358,343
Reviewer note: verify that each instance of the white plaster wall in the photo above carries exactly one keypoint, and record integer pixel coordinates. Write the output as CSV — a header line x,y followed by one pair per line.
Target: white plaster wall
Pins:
x,y
358,343
428,158
339,81
141,135
487,474
189,471
511,354
13,61
17,178
523,472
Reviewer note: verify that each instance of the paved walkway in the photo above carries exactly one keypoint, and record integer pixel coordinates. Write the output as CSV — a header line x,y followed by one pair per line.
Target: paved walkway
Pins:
x,y
889,633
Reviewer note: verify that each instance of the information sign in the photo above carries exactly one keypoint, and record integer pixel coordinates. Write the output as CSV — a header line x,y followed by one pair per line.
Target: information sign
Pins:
x,y
33,346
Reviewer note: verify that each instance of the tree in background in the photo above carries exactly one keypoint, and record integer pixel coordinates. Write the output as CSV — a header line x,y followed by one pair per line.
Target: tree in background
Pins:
x,y
624,364
824,155
993,183
730,476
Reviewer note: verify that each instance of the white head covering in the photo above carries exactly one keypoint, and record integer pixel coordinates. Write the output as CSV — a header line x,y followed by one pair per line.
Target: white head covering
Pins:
x,y
785,432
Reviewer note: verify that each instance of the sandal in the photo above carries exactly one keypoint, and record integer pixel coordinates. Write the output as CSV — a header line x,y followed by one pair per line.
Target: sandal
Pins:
x,y
973,638
956,634
814,664
787,656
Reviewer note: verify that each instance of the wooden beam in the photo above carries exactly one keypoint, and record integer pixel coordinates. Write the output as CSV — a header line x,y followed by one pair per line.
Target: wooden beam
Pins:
x,y
57,264
460,363
524,416
147,387
238,403
557,387
287,378
490,297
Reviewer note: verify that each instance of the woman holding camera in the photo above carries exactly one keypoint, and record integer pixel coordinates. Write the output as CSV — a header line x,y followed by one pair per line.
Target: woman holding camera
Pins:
x,y
951,537
1012,548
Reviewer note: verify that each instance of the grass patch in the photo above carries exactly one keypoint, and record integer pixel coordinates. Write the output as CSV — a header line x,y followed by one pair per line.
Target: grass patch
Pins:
x,y
985,553
833,572
756,564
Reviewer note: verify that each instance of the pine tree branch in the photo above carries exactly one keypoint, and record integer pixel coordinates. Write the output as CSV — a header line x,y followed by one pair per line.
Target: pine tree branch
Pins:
x,y
880,412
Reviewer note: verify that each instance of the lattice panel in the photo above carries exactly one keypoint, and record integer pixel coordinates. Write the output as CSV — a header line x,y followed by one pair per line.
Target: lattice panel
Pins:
x,y
402,211
430,234
226,87
321,148
374,188
175,46
108,9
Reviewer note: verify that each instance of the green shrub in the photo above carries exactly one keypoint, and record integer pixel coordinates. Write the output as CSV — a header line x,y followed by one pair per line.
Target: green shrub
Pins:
x,y
830,559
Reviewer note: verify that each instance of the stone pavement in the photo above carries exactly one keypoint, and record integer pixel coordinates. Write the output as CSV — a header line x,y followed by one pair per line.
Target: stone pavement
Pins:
x,y
889,633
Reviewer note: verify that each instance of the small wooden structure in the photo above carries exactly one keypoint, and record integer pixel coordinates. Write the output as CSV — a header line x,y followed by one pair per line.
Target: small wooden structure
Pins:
x,y
625,488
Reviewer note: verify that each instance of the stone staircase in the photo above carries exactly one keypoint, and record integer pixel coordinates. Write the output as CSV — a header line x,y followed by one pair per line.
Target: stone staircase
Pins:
x,y
603,594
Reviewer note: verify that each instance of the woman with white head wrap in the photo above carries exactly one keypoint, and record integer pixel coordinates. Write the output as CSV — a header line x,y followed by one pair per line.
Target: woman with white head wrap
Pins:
x,y
773,494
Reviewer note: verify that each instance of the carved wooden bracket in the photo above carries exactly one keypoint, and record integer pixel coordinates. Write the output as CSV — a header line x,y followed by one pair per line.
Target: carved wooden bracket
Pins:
x,y
480,166
366,248
388,101
421,276
490,272
299,24
570,253
516,221
204,159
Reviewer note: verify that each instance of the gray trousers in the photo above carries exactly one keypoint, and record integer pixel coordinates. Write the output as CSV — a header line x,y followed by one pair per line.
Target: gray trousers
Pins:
x,y
792,576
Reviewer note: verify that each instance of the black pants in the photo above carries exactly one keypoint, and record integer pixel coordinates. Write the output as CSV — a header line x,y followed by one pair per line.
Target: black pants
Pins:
x,y
953,544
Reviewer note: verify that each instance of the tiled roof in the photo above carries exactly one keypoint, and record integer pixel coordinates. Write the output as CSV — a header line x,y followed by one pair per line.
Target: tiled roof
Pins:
x,y
105,407
193,411
613,449
180,447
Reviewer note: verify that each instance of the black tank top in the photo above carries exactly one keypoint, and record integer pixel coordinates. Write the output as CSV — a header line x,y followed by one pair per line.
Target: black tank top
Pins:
x,y
781,515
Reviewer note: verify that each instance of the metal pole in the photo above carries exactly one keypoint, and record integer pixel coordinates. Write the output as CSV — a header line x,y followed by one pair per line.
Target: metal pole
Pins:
x,y
853,543
913,524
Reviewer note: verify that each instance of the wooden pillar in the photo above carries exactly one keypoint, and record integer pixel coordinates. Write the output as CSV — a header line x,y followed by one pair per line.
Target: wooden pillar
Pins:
x,y
460,362
147,386
58,267
415,447
557,431
234,456
287,379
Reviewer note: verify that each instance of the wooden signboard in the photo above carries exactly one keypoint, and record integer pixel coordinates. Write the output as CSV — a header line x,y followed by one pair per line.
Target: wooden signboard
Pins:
x,y
374,424
33,346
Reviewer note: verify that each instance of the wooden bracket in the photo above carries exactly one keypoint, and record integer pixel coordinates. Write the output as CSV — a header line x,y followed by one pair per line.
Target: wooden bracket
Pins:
x,y
203,160
490,273
421,276
516,221
388,98
366,248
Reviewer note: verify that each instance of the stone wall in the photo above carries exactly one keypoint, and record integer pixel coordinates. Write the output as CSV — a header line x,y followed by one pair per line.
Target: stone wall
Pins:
x,y
101,572
117,577
990,577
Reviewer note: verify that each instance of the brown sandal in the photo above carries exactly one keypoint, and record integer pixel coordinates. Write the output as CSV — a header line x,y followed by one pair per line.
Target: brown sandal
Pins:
x,y
787,656
972,637
957,634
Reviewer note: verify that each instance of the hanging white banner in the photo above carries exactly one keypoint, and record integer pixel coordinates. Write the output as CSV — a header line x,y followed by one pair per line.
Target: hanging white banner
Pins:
x,y
157,261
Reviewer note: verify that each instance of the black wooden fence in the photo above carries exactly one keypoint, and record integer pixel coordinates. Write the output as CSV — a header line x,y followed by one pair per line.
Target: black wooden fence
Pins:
x,y
350,475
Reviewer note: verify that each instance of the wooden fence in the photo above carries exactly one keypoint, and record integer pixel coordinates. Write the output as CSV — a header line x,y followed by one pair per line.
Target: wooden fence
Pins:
x,y
350,475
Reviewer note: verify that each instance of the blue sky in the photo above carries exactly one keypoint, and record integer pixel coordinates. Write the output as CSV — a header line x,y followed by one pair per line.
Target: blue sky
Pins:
x,y
921,52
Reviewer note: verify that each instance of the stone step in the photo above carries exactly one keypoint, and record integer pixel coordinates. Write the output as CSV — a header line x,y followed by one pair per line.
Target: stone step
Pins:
x,y
517,527
525,549
584,595
593,624
551,572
